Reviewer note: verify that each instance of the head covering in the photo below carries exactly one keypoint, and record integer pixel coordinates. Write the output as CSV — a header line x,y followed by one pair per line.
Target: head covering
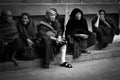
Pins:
x,y
74,12
50,12
54,9
26,14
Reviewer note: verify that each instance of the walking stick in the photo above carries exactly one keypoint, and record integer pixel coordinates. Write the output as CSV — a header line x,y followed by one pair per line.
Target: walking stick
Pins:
x,y
66,19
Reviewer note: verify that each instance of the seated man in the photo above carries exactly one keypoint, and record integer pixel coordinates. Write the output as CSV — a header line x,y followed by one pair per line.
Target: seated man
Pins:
x,y
9,36
104,29
50,31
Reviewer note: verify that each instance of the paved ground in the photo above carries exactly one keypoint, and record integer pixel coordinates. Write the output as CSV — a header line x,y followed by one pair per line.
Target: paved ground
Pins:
x,y
104,69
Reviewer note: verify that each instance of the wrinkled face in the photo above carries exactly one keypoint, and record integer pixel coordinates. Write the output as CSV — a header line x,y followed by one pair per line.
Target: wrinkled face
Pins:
x,y
78,16
8,16
51,15
25,19
102,15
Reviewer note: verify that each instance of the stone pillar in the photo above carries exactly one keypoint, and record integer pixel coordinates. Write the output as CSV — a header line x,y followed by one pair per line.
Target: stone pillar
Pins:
x,y
81,1
119,13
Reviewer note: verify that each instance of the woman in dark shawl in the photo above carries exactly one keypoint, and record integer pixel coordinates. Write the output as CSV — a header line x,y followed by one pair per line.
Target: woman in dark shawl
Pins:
x,y
104,29
77,32
9,39
27,30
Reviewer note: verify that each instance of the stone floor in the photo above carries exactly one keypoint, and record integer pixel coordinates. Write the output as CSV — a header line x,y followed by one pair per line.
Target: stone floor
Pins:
x,y
104,69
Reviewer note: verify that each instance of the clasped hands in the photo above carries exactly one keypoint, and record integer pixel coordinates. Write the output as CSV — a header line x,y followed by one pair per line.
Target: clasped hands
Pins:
x,y
58,40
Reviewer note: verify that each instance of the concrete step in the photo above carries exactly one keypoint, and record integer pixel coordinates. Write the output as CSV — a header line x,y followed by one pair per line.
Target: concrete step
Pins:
x,y
113,50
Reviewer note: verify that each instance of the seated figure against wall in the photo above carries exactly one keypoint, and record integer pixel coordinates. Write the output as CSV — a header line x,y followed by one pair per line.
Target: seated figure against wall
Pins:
x,y
51,33
77,33
27,32
60,18
104,29
9,38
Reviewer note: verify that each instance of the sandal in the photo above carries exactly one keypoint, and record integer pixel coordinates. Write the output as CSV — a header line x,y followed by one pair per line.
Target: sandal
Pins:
x,y
66,64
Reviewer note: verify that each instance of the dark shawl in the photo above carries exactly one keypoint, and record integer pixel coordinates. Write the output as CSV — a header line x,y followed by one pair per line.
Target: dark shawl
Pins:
x,y
76,27
106,33
8,31
79,27
44,29
28,31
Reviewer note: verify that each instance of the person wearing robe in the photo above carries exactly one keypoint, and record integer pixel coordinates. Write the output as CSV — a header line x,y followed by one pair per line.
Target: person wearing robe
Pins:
x,y
51,33
9,36
77,33
104,29
27,31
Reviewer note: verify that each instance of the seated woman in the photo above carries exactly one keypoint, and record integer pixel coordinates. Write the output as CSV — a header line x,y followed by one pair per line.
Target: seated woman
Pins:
x,y
104,29
77,32
28,31
9,39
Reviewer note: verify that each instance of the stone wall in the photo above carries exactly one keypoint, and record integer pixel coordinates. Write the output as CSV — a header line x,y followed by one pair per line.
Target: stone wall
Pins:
x,y
38,9
59,1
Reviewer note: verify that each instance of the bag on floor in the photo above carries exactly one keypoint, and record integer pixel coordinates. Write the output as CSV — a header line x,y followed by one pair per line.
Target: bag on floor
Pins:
x,y
29,53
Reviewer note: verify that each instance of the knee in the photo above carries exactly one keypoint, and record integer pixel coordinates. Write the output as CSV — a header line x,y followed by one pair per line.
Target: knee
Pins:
x,y
93,34
47,42
18,41
64,46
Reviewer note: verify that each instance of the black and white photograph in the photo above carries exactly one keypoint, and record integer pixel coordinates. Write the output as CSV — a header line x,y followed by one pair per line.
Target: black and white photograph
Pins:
x,y
59,39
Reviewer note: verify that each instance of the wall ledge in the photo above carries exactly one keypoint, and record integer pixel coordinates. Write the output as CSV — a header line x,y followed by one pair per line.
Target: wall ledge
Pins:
x,y
59,4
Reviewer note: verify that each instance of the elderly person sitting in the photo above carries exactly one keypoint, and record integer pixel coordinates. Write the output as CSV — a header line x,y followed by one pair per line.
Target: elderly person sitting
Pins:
x,y
77,33
9,35
27,32
50,30
104,29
